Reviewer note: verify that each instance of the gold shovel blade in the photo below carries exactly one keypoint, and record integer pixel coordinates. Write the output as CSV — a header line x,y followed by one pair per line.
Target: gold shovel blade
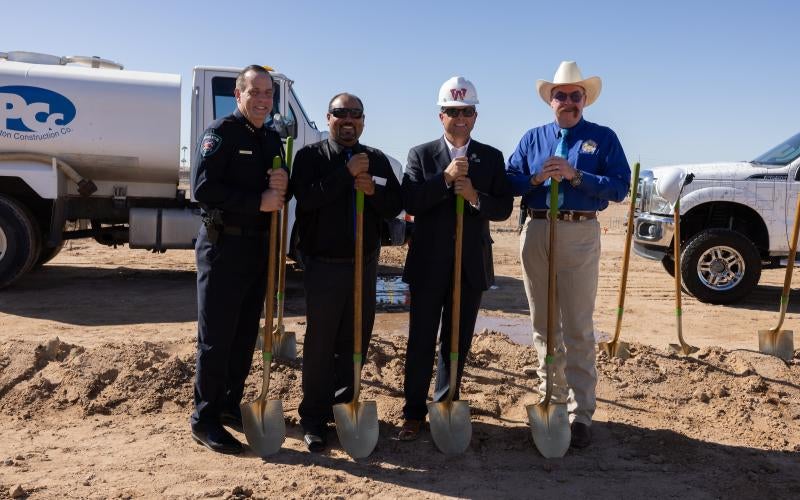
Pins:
x,y
357,427
550,428
777,343
451,426
264,426
617,349
685,349
284,344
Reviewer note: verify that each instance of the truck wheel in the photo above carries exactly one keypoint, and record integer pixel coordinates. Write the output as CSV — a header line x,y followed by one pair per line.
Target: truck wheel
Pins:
x,y
19,240
669,265
47,254
720,266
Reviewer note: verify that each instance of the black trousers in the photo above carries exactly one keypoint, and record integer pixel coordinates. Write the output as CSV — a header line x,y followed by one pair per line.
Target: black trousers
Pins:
x,y
328,345
231,284
431,304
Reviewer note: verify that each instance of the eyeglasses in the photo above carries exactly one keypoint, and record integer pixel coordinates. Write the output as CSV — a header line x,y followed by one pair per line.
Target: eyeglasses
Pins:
x,y
576,96
354,113
455,112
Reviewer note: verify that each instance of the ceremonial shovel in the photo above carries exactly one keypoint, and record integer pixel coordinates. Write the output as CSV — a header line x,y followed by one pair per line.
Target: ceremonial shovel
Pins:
x,y
549,421
450,422
264,426
779,342
682,347
357,422
615,347
284,343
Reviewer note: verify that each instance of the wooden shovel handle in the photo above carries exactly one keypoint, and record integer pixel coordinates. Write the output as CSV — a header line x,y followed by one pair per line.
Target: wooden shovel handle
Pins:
x,y
627,254
269,300
358,265
279,296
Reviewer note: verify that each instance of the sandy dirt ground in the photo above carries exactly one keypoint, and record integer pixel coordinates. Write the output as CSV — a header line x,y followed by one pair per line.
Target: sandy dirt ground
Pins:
x,y
97,363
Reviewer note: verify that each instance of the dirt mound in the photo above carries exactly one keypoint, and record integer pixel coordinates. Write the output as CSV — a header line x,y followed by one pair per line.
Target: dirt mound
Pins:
x,y
727,396
132,379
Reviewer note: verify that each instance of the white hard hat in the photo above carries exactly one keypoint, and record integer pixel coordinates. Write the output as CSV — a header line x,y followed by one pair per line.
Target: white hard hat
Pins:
x,y
456,92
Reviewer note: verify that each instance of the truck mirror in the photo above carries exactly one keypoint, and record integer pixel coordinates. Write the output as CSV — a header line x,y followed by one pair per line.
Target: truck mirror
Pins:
x,y
284,125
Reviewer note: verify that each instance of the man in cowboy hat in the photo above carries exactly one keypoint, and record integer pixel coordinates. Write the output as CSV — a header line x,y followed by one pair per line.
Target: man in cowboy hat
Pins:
x,y
590,164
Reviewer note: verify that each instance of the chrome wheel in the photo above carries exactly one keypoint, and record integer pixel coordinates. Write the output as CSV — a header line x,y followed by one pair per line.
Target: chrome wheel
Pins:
x,y
721,268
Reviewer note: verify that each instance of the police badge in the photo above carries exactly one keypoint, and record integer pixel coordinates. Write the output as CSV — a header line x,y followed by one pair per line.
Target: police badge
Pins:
x,y
588,147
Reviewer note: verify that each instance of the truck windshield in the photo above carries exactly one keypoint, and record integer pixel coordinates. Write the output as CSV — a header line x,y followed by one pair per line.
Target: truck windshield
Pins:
x,y
225,102
782,154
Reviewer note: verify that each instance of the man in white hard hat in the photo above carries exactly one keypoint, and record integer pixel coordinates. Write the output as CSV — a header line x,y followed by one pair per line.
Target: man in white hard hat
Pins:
x,y
590,164
436,172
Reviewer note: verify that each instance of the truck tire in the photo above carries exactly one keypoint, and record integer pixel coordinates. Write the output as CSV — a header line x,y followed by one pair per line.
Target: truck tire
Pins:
x,y
19,240
47,254
669,265
720,266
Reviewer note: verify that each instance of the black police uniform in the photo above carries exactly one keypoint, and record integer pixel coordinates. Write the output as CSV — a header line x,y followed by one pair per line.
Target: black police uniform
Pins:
x,y
325,218
231,252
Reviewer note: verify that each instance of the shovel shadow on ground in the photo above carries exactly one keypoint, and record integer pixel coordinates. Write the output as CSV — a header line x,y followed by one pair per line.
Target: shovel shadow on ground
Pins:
x,y
92,296
502,462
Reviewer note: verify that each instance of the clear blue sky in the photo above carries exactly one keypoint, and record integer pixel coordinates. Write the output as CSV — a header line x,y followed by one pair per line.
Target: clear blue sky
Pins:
x,y
683,81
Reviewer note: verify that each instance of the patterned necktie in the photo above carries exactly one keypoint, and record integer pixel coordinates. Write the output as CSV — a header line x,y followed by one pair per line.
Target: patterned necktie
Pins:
x,y
562,150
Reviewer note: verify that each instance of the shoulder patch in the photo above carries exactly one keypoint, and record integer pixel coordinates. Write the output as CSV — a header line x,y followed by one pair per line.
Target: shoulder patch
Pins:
x,y
210,144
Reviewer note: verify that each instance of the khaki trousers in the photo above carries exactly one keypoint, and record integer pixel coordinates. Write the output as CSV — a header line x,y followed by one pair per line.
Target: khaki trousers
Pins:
x,y
577,268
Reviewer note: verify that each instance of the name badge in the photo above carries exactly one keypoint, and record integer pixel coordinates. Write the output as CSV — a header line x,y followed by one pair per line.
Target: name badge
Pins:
x,y
381,181
245,152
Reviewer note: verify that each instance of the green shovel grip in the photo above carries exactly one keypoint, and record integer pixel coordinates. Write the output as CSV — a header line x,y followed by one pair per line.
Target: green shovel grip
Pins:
x,y
553,199
459,205
453,356
359,201
276,162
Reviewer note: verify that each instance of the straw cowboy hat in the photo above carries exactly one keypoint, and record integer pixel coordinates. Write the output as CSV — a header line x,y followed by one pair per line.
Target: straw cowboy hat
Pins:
x,y
568,73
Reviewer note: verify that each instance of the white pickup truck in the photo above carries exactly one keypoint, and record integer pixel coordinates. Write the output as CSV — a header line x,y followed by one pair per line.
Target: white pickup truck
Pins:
x,y
84,142
735,218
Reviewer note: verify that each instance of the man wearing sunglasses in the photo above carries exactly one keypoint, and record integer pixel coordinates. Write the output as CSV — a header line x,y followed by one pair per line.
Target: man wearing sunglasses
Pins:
x,y
588,161
325,178
436,172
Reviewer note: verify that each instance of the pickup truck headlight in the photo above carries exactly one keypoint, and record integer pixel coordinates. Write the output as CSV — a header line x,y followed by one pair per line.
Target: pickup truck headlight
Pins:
x,y
650,201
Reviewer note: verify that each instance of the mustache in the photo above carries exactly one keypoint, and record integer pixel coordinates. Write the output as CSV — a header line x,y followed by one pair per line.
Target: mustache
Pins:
x,y
568,109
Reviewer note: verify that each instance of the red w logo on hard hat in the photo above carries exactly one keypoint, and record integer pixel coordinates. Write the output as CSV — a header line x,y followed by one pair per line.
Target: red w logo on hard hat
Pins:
x,y
458,94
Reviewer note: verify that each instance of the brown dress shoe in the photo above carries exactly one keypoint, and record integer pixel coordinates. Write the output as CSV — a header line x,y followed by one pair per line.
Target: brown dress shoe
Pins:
x,y
410,430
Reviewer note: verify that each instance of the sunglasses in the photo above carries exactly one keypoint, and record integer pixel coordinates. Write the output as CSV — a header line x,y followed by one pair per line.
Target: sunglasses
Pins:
x,y
455,112
575,96
354,113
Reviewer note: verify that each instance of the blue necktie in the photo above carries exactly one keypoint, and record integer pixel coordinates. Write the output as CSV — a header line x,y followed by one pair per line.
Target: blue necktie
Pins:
x,y
562,150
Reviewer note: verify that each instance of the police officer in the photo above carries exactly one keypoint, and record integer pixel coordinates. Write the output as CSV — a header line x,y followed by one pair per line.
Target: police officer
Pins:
x,y
235,185
324,180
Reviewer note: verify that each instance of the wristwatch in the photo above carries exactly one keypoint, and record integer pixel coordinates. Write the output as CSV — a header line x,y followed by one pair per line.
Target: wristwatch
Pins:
x,y
576,181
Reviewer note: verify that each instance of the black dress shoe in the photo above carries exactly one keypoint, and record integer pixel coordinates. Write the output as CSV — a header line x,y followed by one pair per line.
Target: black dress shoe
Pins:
x,y
232,419
315,440
581,435
216,438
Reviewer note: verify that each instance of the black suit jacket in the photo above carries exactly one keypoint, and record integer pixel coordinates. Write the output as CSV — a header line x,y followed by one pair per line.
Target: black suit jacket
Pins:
x,y
427,198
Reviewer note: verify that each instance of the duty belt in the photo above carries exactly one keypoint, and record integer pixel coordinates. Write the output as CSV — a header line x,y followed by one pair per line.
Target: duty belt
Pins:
x,y
566,215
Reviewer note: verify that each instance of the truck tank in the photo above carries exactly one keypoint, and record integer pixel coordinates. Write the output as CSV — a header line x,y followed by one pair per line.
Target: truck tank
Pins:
x,y
108,124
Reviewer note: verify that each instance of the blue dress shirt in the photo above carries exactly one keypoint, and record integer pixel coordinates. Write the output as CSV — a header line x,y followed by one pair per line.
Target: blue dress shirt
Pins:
x,y
593,149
